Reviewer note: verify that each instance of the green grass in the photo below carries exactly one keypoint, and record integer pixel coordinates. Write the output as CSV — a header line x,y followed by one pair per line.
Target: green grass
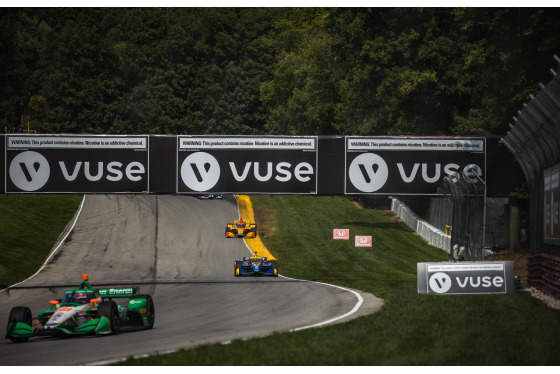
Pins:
x,y
30,225
410,329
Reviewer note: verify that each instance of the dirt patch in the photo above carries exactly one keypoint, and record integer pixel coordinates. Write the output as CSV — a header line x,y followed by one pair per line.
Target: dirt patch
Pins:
x,y
519,259
265,221
357,204
396,219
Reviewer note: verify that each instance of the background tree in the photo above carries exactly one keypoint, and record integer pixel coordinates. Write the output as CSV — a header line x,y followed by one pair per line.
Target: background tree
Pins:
x,y
375,71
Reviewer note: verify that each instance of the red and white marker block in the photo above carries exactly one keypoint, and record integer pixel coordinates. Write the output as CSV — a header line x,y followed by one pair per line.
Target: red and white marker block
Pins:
x,y
341,234
363,241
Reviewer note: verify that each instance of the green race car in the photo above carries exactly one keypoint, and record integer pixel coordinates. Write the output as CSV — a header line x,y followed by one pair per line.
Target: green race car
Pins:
x,y
84,311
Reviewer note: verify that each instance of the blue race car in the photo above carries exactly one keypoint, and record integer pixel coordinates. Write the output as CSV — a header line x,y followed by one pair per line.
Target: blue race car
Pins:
x,y
255,265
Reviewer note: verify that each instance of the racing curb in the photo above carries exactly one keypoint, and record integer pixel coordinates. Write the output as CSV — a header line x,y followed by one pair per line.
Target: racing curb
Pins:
x,y
255,244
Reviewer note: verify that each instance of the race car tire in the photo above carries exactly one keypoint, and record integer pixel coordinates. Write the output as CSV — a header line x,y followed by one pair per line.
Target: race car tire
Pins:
x,y
235,267
110,310
151,313
227,230
134,318
274,266
20,314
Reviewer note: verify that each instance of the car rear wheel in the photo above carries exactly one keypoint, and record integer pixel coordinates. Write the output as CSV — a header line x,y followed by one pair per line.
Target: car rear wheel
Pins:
x,y
235,267
151,311
275,267
254,231
20,314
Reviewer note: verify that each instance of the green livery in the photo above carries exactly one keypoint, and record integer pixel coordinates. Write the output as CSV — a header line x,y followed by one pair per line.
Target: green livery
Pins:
x,y
85,310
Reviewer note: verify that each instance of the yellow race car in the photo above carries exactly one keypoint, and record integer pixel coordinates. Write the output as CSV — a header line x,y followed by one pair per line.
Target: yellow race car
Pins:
x,y
241,229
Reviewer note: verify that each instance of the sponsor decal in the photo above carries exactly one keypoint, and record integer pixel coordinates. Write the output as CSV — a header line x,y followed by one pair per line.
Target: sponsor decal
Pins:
x,y
232,164
410,166
440,282
29,171
363,241
368,172
116,291
483,277
341,234
200,171
76,164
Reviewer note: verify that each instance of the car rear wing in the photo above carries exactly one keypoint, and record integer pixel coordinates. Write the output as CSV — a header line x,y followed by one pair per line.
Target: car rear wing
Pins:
x,y
108,293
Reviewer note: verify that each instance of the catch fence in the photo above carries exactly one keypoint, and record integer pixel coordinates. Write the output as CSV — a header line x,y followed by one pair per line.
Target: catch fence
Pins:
x,y
534,139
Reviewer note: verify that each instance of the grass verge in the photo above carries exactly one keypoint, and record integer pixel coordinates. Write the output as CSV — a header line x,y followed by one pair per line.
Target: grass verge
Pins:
x,y
410,329
30,225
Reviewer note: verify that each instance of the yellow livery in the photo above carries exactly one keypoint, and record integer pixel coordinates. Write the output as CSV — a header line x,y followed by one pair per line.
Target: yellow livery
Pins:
x,y
241,229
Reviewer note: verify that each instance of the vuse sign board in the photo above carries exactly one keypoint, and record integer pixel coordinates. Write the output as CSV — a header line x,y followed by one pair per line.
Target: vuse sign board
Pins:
x,y
452,278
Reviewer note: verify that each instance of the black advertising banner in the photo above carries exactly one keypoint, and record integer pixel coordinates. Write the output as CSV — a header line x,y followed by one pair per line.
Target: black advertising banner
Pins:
x,y
480,277
331,167
411,166
76,164
247,164
163,164
322,165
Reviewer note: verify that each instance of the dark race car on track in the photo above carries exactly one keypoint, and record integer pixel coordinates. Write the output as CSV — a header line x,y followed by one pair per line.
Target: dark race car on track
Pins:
x,y
241,229
255,266
205,197
84,310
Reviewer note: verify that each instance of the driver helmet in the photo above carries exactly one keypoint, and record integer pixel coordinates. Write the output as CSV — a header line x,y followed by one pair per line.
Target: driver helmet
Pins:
x,y
81,296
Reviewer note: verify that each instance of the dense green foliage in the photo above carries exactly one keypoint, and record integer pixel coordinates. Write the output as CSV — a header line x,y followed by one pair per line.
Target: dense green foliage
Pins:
x,y
31,224
410,329
422,71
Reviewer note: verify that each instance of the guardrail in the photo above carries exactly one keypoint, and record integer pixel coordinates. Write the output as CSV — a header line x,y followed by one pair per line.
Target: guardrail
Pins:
x,y
433,235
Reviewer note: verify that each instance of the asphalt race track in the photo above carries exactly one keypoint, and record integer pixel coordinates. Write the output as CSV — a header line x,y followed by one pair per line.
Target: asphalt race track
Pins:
x,y
174,248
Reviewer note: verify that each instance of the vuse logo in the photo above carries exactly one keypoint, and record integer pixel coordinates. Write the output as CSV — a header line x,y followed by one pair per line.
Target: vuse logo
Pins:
x,y
29,171
200,171
440,282
368,172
